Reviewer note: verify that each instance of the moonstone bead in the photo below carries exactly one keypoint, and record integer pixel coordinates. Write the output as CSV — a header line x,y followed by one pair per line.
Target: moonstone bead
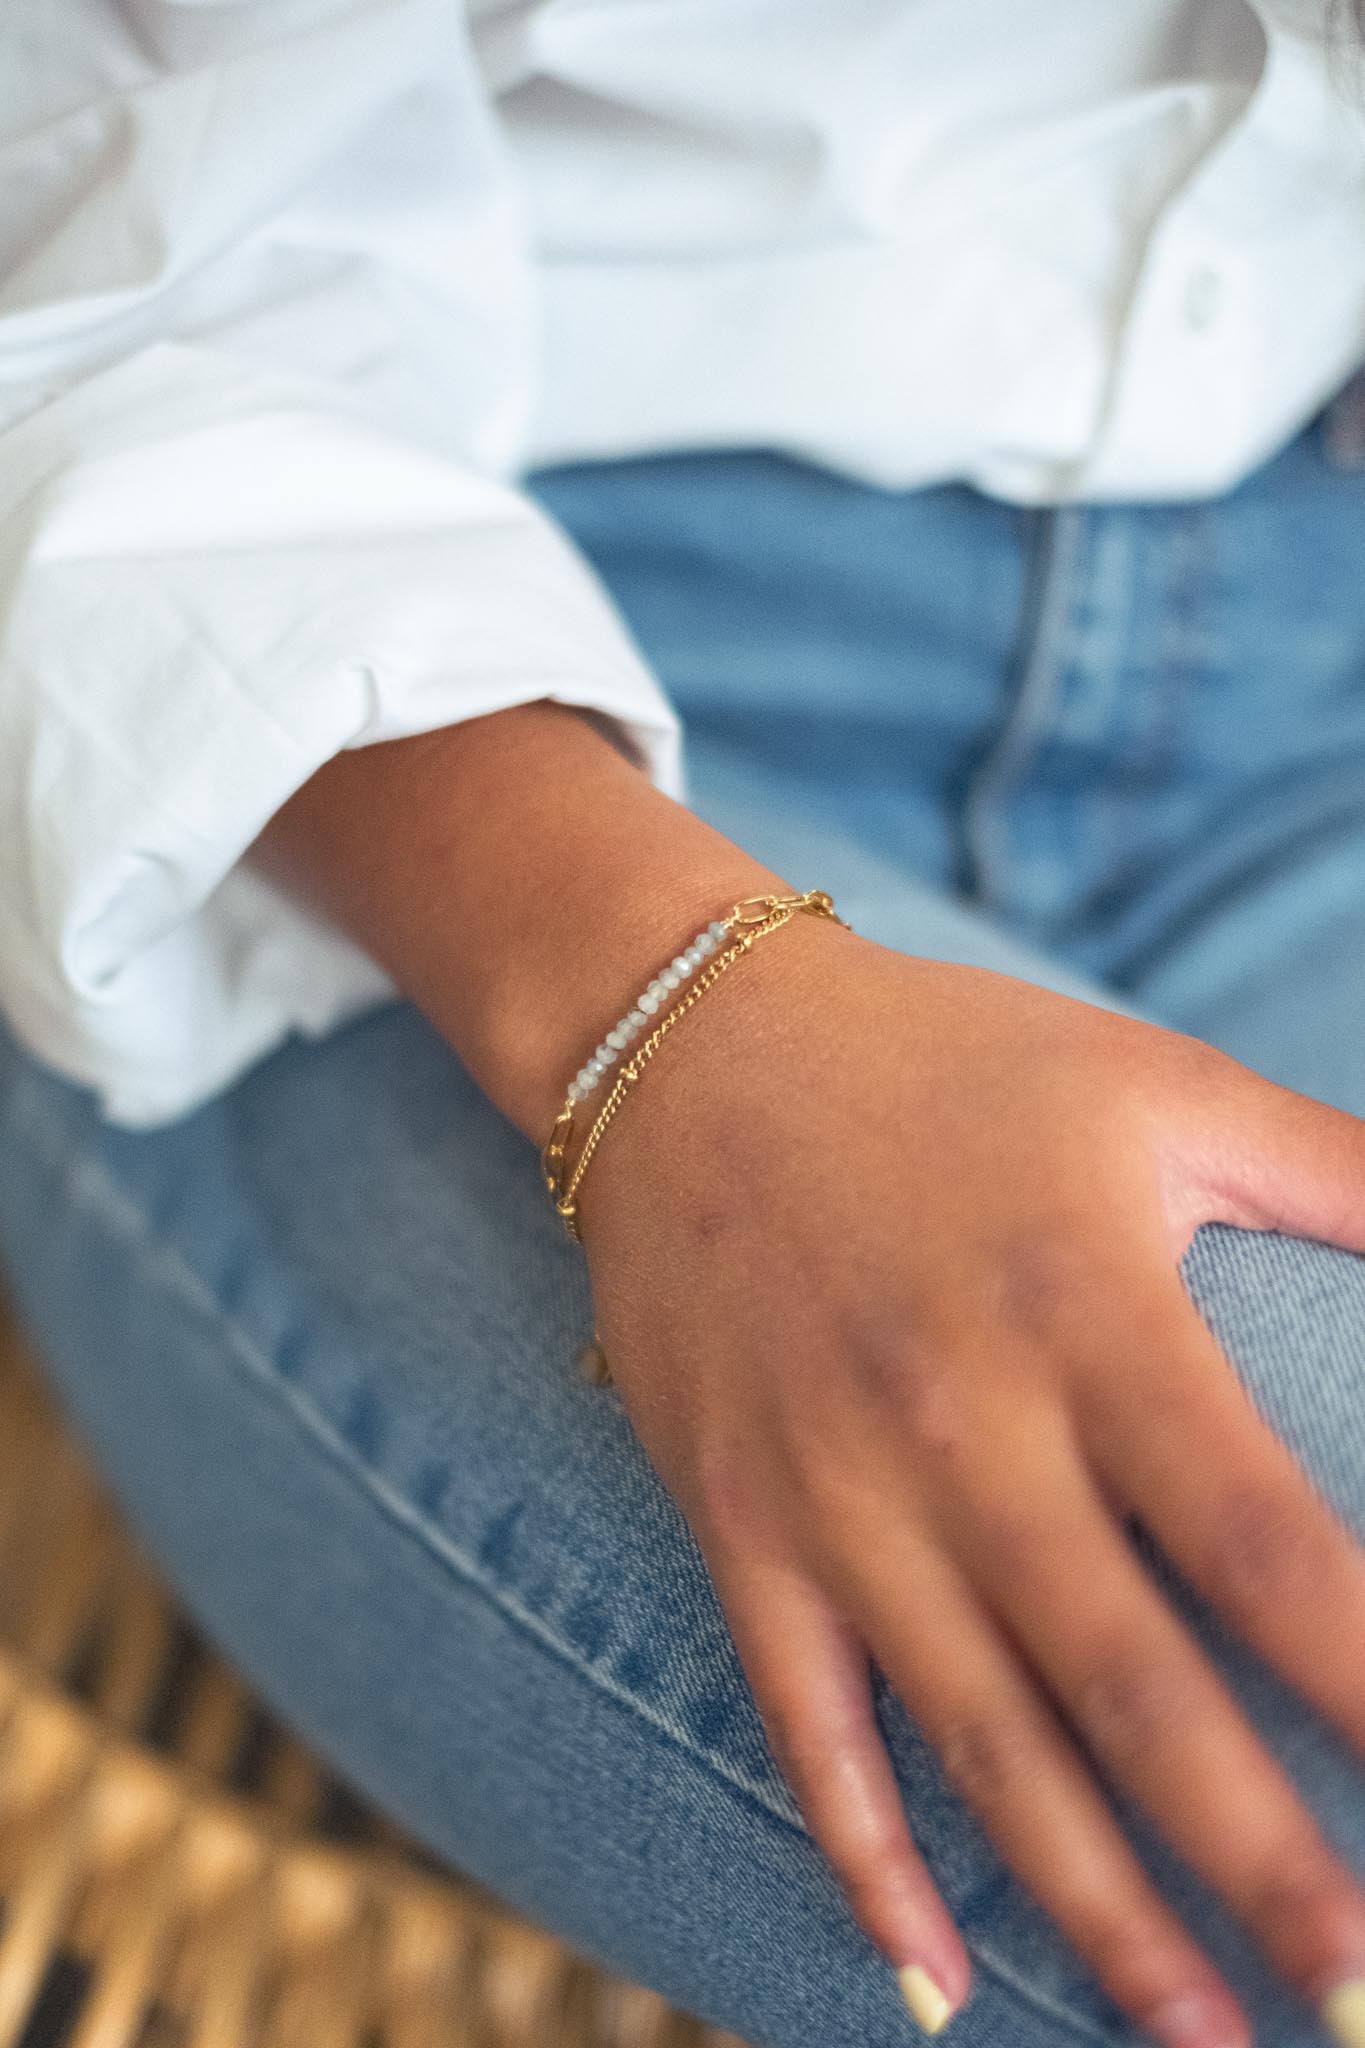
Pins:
x,y
647,1004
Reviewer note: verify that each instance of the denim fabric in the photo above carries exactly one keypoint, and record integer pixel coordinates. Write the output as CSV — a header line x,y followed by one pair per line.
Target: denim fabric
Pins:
x,y
319,1336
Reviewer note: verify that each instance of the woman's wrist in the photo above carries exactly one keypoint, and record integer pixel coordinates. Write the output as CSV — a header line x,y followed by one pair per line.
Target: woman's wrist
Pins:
x,y
517,877
562,993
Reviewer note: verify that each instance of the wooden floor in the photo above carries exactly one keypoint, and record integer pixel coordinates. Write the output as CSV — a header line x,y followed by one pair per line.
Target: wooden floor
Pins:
x,y
178,1871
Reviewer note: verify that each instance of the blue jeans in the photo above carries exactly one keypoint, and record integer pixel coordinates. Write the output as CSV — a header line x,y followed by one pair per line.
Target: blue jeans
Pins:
x,y
319,1335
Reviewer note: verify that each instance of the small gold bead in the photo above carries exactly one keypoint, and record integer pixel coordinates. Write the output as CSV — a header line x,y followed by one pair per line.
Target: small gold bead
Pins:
x,y
592,1363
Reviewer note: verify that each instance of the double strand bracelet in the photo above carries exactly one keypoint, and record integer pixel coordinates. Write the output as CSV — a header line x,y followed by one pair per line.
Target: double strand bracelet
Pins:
x,y
711,954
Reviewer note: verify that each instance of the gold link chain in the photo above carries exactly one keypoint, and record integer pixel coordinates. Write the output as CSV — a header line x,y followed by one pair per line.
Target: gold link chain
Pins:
x,y
754,918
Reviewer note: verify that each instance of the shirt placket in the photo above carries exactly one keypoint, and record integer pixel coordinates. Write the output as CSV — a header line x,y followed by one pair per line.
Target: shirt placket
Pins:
x,y
1239,279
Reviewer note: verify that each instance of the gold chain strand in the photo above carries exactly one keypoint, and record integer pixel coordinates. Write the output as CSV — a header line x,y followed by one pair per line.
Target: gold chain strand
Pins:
x,y
557,1146
630,1072
755,917
555,1150
773,912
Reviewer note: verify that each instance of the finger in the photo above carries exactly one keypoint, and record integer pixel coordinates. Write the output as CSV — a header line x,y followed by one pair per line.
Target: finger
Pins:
x,y
1283,1161
810,1678
1153,1710
1178,1441
1017,1766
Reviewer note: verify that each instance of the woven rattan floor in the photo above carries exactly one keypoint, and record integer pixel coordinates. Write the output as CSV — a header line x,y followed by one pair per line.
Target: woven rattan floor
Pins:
x,y
177,1871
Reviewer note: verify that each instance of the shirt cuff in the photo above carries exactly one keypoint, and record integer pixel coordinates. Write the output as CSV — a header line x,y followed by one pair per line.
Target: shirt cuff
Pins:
x,y
219,577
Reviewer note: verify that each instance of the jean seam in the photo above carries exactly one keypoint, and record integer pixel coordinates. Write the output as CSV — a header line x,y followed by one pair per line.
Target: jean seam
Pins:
x,y
987,826
85,1178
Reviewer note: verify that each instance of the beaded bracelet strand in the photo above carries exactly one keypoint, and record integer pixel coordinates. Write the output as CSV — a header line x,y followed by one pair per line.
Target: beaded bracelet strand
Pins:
x,y
652,998
754,915
647,1004
752,919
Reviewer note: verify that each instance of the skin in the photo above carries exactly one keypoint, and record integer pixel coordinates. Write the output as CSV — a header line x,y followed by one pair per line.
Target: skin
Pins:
x,y
884,1254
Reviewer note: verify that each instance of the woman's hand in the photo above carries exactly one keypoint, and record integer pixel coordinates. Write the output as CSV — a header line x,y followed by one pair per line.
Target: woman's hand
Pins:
x,y
885,1261
885,1256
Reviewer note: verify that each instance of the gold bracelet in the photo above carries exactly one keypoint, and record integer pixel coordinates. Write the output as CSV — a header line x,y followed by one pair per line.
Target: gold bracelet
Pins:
x,y
751,919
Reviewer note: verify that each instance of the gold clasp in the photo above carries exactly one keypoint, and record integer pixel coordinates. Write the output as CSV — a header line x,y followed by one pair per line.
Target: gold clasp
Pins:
x,y
553,1153
821,901
758,909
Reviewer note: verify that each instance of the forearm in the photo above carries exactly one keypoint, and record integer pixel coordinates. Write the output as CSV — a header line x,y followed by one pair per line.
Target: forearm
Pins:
x,y
516,876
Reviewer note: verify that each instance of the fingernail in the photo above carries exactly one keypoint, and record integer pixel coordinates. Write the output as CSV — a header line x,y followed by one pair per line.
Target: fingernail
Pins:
x,y
1343,2012
931,2008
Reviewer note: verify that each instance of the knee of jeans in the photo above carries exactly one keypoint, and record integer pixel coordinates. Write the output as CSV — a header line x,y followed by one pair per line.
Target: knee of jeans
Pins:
x,y
1289,1314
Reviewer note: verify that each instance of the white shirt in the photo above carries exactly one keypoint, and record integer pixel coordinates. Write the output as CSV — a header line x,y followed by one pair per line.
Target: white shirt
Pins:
x,y
292,292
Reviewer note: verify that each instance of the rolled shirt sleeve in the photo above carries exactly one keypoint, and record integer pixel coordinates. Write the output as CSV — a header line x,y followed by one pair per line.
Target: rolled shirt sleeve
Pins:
x,y
266,354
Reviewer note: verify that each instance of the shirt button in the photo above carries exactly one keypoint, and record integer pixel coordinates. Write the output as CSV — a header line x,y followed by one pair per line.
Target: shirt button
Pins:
x,y
1202,298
